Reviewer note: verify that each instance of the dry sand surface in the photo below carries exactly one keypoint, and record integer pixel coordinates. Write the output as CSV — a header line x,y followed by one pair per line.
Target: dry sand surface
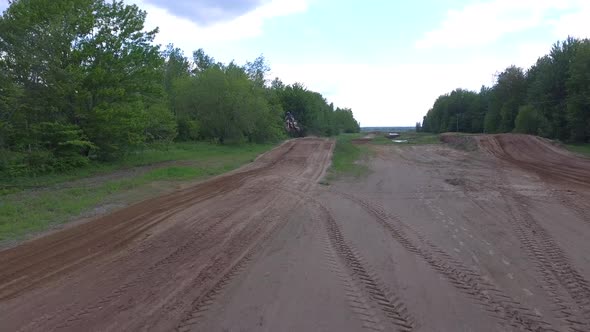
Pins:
x,y
433,239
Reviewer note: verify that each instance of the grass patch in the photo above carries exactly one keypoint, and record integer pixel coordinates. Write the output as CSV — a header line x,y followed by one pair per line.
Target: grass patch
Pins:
x,y
580,148
29,211
412,137
154,154
346,157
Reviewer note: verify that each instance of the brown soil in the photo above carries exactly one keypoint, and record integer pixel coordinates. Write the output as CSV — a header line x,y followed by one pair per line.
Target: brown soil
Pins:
x,y
433,239
538,155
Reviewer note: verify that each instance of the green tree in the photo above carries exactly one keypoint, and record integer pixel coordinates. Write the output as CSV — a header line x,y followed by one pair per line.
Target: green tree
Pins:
x,y
257,71
527,121
578,94
509,93
202,61
554,92
122,77
83,79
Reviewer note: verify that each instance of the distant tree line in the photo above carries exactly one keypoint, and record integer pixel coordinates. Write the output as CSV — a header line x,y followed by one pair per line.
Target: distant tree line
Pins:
x,y
550,99
83,80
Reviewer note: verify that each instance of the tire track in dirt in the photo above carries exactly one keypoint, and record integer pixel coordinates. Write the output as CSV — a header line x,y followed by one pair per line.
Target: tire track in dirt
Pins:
x,y
577,204
296,165
364,289
553,266
380,297
190,246
566,287
118,236
48,258
184,198
356,300
561,305
202,304
526,231
538,155
206,269
506,310
156,293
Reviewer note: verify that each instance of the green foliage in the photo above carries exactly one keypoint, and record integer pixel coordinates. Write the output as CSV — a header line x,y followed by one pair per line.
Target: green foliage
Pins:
x,y
551,99
188,130
26,211
508,95
117,128
455,112
51,147
90,67
528,120
161,125
578,94
312,111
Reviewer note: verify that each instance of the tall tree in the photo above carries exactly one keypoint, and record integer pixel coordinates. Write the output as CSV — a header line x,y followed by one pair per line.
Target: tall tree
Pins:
x,y
257,70
578,94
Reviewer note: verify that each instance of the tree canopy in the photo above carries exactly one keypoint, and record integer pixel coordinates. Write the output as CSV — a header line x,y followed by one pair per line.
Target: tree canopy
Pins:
x,y
83,80
551,99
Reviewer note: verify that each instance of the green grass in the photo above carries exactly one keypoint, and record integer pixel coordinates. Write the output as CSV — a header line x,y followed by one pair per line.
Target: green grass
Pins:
x,y
193,151
29,211
413,138
580,148
346,157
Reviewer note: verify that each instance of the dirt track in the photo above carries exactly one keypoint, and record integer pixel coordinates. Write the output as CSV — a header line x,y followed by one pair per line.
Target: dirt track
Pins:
x,y
434,239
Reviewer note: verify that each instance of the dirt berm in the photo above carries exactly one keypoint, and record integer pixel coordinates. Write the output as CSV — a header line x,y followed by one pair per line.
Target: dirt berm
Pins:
x,y
532,153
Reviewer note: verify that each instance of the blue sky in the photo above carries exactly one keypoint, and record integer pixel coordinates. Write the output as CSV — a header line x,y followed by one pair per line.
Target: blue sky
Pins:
x,y
387,60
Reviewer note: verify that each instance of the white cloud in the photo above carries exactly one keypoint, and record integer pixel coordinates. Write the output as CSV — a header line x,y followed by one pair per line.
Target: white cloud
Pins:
x,y
188,35
392,94
207,11
573,24
486,22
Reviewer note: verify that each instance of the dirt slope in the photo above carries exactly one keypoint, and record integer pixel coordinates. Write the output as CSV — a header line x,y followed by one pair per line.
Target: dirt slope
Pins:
x,y
538,155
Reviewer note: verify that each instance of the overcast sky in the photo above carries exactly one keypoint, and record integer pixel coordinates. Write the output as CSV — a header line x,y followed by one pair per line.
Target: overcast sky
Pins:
x,y
387,60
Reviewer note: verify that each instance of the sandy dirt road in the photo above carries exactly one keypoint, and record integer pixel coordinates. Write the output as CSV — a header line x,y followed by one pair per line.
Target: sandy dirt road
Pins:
x,y
433,239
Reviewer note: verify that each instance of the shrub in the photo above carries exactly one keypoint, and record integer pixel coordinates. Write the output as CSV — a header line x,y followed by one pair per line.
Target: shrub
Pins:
x,y
188,130
161,125
527,121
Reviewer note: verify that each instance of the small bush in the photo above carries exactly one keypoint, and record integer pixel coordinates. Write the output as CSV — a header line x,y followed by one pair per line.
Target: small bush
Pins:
x,y
161,125
527,121
188,130
53,147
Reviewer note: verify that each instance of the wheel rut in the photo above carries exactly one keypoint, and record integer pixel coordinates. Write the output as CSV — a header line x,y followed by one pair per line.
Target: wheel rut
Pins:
x,y
566,287
192,318
358,279
163,268
503,308
557,272
367,296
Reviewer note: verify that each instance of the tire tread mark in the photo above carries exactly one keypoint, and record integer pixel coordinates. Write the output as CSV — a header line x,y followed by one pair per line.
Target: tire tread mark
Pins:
x,y
173,257
391,306
552,263
201,304
526,229
467,281
354,296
